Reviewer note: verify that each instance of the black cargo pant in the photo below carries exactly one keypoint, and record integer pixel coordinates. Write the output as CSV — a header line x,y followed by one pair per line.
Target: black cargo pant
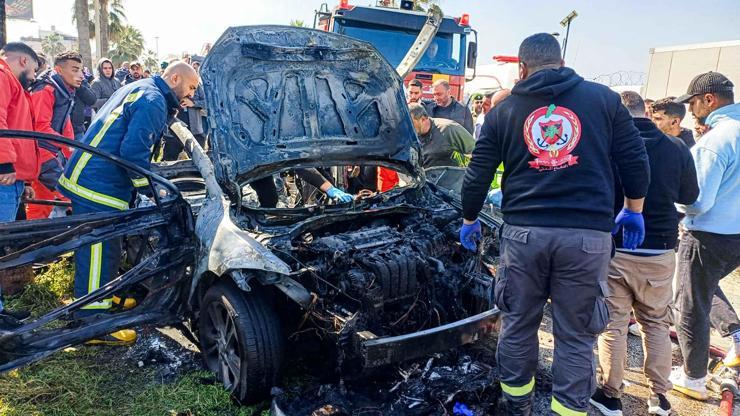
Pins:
x,y
569,266
703,260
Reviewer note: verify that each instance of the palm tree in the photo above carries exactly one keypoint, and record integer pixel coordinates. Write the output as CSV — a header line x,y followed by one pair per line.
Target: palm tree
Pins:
x,y
150,60
112,27
129,46
52,45
83,31
297,23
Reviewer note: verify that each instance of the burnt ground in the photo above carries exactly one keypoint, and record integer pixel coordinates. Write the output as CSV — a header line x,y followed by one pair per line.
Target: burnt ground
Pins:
x,y
433,386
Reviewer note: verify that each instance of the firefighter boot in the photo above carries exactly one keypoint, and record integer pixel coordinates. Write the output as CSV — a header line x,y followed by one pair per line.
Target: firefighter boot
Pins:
x,y
118,338
517,405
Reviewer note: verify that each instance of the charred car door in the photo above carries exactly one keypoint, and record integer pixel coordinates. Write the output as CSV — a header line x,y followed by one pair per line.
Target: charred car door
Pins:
x,y
157,254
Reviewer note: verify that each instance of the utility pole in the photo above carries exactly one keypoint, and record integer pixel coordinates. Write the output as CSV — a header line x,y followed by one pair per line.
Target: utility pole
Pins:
x,y
156,45
566,24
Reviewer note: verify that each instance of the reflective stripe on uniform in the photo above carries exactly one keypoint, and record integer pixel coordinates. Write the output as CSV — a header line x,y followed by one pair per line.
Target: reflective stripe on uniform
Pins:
x,y
558,408
518,391
93,281
112,117
91,195
96,264
139,182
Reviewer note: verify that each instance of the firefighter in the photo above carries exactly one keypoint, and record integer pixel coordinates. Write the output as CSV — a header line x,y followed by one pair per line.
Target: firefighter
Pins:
x,y
129,126
557,135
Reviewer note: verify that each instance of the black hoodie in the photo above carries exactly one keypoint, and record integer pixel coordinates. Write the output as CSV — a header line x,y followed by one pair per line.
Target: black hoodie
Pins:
x,y
673,180
557,136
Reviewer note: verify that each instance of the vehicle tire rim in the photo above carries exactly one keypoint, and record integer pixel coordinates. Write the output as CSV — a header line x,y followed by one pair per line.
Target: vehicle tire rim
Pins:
x,y
222,349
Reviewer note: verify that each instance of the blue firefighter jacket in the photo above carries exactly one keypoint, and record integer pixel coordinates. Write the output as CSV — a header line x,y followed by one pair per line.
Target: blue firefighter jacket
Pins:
x,y
128,125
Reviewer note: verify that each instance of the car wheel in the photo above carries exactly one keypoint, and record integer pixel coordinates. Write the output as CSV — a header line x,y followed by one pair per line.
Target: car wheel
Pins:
x,y
241,340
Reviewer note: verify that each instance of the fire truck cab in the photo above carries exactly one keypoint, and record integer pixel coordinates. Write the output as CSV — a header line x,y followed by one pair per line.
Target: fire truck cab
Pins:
x,y
393,30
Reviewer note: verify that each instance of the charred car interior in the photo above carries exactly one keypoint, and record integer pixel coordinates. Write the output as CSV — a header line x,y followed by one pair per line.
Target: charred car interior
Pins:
x,y
375,281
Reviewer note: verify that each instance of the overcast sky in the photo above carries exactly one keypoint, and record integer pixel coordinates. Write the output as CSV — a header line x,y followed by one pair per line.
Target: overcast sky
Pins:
x,y
607,36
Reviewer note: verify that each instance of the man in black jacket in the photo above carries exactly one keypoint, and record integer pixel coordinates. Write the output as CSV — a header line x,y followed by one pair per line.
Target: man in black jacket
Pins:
x,y
445,106
668,115
641,279
557,135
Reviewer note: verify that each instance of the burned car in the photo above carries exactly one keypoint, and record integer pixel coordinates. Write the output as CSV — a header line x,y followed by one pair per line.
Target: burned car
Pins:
x,y
374,281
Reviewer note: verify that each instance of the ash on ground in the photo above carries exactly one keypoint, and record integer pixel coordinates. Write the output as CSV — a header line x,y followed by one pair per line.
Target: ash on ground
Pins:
x,y
164,353
462,382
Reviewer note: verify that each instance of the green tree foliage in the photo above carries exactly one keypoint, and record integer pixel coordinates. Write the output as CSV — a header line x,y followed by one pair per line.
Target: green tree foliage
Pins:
x,y
52,45
297,23
129,46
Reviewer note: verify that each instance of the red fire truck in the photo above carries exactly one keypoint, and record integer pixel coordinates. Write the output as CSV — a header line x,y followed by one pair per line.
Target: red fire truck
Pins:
x,y
393,30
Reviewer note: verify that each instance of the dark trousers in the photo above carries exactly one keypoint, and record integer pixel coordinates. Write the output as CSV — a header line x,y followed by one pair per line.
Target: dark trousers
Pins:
x,y
703,260
96,264
569,266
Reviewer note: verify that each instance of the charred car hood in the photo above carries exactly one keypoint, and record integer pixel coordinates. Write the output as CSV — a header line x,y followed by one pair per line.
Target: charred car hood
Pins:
x,y
283,96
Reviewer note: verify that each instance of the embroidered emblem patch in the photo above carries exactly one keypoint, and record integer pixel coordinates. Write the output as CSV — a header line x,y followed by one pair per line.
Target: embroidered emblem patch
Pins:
x,y
551,134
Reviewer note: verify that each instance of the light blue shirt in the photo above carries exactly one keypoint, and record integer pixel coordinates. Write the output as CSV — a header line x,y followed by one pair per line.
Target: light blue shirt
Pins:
x,y
717,159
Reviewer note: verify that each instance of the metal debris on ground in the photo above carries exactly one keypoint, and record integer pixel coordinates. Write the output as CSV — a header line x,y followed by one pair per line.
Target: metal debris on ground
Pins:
x,y
461,383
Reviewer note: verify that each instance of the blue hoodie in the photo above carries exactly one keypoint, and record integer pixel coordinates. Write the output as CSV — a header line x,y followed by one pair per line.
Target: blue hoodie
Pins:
x,y
716,156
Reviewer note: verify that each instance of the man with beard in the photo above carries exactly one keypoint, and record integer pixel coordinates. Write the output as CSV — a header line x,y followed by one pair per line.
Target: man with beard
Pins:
x,y
445,106
129,126
53,97
18,157
709,249
558,217
136,72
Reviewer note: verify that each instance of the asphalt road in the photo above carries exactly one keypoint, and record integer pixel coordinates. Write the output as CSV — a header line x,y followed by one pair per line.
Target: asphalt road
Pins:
x,y
636,390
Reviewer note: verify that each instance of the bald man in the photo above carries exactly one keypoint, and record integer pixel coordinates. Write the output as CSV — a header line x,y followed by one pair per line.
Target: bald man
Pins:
x,y
129,126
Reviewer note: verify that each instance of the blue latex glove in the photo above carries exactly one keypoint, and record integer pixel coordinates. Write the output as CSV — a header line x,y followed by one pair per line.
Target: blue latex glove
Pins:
x,y
494,197
461,410
634,228
336,193
470,234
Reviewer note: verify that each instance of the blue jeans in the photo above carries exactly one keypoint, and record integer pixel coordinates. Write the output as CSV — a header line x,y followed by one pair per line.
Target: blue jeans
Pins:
x,y
10,198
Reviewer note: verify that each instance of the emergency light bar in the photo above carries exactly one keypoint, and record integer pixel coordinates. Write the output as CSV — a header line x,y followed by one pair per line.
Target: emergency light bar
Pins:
x,y
344,5
464,20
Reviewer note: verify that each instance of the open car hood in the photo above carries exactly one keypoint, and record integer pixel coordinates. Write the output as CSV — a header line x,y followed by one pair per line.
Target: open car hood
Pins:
x,y
282,96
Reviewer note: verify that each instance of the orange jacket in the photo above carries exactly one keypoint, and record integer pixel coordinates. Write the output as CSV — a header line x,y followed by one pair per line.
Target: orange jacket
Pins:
x,y
19,155
43,102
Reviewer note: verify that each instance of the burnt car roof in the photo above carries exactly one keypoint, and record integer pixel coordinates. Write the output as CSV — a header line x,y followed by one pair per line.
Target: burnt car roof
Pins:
x,y
281,96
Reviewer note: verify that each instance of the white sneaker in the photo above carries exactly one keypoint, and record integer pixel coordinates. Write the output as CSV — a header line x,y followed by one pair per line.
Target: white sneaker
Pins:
x,y
696,388
634,329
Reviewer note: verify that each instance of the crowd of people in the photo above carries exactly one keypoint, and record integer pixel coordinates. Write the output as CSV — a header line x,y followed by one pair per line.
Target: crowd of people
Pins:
x,y
606,201
124,111
619,203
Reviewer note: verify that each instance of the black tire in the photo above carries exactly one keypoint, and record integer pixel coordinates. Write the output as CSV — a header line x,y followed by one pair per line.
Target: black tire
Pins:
x,y
245,346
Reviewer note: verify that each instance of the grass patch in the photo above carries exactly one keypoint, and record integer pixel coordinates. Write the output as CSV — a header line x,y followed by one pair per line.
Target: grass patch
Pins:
x,y
97,380
92,381
49,290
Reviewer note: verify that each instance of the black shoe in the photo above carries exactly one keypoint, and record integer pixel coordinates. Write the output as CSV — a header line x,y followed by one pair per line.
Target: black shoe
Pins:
x,y
608,406
19,315
659,405
517,406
